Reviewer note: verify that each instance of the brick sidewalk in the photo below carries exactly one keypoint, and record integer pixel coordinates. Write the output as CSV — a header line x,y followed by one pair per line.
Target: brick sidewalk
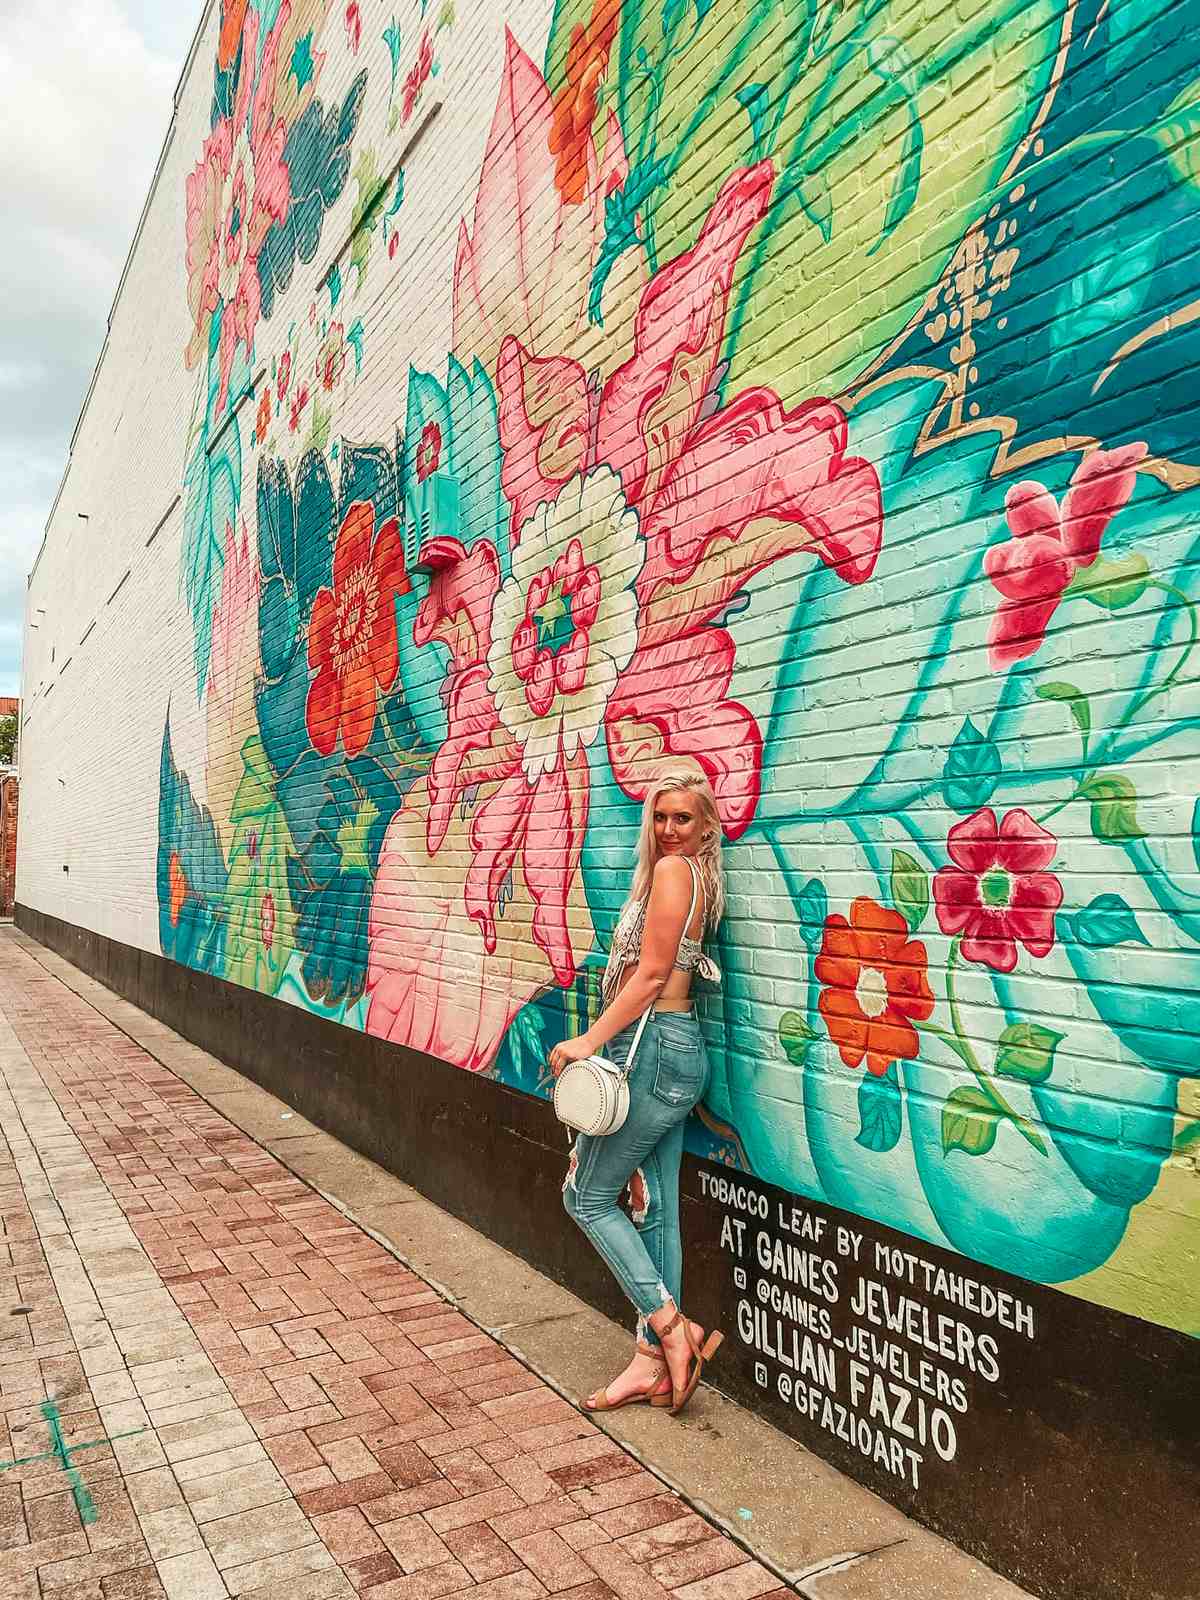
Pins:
x,y
304,1417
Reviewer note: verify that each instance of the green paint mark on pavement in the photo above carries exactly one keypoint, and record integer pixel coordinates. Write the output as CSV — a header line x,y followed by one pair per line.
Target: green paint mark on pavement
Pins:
x,y
62,1452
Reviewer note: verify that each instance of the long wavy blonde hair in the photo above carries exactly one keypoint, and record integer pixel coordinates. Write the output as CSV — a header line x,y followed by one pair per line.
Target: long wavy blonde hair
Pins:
x,y
707,857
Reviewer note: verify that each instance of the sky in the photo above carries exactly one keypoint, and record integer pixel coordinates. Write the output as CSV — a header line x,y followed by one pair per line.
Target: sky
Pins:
x,y
88,92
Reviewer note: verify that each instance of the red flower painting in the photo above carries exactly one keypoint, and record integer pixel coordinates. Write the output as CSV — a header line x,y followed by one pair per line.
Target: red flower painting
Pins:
x,y
874,986
1049,544
997,892
352,634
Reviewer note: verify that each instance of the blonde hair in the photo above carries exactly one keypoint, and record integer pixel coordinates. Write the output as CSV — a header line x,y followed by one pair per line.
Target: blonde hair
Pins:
x,y
708,855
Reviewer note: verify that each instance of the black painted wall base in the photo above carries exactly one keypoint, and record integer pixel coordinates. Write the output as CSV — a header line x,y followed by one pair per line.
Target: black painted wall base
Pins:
x,y
1052,1438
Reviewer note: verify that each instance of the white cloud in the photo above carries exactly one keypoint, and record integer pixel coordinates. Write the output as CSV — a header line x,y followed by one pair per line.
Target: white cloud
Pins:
x,y
88,87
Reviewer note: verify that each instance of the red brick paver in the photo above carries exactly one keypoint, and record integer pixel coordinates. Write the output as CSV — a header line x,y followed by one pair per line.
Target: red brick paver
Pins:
x,y
411,1454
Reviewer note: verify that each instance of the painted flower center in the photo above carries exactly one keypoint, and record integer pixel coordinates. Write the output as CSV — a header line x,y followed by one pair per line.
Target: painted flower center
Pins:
x,y
995,887
564,624
237,197
871,992
553,620
355,608
552,645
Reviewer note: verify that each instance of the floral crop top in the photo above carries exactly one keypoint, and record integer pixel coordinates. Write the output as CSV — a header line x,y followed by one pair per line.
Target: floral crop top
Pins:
x,y
627,942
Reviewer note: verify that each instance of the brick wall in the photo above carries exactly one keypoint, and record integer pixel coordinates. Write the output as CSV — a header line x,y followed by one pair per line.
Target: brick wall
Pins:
x,y
800,395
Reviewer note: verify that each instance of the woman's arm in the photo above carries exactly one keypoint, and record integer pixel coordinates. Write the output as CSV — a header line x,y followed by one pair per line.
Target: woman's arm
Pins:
x,y
666,918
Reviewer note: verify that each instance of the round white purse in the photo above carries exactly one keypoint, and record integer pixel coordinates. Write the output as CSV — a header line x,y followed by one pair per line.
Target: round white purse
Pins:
x,y
592,1095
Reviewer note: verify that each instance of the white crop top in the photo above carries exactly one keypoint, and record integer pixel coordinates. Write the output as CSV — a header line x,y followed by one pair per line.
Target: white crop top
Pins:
x,y
627,941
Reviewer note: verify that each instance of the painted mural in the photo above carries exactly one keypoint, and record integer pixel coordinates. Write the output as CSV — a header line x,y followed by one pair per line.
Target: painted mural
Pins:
x,y
817,410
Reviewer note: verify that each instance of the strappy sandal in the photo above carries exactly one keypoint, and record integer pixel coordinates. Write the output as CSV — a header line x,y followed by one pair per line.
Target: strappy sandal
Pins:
x,y
700,1354
600,1401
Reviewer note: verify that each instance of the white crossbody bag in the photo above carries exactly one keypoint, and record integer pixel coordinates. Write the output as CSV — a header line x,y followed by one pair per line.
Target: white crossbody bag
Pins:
x,y
592,1095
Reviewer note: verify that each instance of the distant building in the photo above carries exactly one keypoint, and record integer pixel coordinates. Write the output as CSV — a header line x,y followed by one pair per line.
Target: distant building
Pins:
x,y
10,706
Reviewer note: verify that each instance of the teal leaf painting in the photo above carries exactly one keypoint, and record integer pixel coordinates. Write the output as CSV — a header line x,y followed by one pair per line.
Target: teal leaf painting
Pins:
x,y
812,909
879,1113
1105,921
972,770
212,492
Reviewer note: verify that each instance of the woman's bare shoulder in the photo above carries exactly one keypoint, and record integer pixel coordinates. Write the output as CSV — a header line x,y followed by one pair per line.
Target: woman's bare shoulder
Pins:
x,y
672,870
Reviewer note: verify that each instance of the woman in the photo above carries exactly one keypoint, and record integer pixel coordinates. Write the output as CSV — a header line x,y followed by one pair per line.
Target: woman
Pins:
x,y
677,893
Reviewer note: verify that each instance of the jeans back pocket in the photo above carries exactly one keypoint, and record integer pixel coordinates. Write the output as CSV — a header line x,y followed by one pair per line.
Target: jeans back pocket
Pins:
x,y
680,1067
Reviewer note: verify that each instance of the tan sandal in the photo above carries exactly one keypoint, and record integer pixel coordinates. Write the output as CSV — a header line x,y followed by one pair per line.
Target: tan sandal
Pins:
x,y
700,1354
599,1401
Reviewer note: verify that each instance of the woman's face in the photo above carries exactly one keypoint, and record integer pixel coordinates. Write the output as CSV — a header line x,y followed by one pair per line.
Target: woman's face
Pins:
x,y
677,823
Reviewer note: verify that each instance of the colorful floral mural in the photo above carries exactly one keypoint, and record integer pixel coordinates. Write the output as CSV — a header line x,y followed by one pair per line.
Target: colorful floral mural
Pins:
x,y
809,417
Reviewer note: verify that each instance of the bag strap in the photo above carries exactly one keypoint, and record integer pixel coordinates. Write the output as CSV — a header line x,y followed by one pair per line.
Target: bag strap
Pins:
x,y
637,1039
641,1027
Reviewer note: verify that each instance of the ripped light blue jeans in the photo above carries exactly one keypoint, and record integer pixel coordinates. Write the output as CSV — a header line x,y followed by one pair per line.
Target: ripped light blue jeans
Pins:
x,y
642,1250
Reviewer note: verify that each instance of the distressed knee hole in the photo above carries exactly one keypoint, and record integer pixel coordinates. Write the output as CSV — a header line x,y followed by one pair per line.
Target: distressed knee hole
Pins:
x,y
569,1191
638,1196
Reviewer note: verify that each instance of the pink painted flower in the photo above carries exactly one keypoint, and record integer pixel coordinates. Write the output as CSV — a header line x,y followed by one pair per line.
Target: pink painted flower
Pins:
x,y
1049,544
997,893
238,188
525,267
232,667
417,75
640,507
531,811
283,375
719,493
430,986
353,26
331,362
291,64
299,401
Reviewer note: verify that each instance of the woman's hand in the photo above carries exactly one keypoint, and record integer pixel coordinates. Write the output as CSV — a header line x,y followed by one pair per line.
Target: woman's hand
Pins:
x,y
570,1050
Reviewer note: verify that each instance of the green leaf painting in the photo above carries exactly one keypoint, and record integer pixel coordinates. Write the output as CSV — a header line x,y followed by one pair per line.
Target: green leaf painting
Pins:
x,y
1026,1052
1075,700
261,919
969,1121
910,888
1112,585
813,906
795,1037
1114,806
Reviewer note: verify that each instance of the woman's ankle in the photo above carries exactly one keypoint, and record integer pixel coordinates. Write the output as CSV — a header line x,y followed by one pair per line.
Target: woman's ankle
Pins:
x,y
661,1320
